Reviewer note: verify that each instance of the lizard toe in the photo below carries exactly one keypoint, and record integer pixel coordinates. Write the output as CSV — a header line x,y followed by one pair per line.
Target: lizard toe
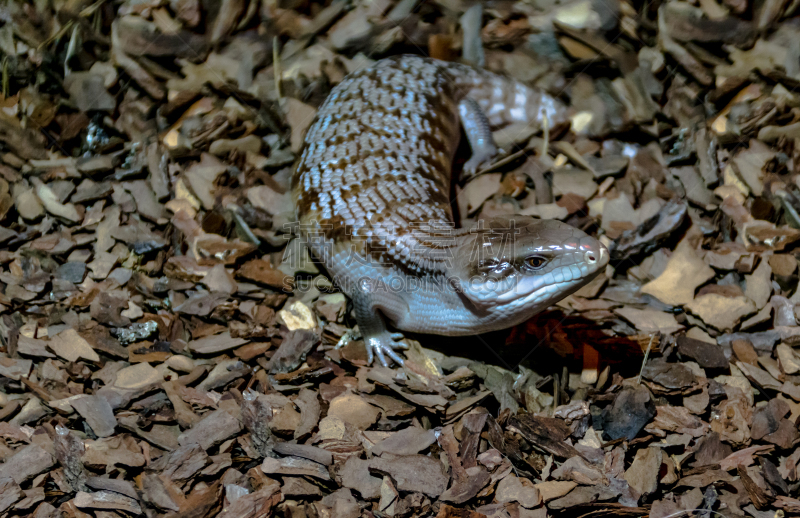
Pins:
x,y
383,346
480,159
472,166
396,337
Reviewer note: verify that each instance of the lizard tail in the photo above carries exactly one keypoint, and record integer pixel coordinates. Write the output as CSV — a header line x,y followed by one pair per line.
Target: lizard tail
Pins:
x,y
505,101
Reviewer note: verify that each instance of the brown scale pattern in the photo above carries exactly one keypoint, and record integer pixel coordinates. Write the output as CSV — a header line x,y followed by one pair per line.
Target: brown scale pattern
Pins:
x,y
380,151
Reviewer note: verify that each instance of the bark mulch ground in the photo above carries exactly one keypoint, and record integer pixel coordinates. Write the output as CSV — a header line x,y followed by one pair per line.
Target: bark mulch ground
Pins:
x,y
167,350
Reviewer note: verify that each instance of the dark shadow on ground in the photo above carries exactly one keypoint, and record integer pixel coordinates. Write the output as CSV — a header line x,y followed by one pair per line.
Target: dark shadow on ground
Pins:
x,y
546,344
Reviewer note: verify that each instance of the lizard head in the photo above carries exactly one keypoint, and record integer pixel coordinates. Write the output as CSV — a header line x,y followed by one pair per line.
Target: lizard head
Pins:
x,y
520,265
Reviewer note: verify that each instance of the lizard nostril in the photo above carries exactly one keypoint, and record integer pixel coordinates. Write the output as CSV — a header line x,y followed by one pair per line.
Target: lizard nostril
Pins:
x,y
591,257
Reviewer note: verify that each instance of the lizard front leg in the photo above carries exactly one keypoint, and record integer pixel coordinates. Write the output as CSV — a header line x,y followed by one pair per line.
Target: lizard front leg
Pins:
x,y
378,340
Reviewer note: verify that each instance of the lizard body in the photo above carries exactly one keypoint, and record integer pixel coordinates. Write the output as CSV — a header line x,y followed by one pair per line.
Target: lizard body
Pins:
x,y
372,195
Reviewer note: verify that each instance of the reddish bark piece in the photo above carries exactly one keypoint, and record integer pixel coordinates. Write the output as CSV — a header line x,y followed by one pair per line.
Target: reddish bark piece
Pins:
x,y
547,433
412,472
10,492
98,414
257,503
295,466
707,355
214,428
356,475
710,450
628,414
446,511
760,497
262,272
26,463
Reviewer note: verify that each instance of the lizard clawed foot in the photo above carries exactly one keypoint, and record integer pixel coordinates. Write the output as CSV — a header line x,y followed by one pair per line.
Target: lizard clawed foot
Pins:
x,y
384,345
479,160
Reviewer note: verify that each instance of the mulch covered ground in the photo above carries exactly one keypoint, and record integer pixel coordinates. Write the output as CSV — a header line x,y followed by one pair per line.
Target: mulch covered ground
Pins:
x,y
166,350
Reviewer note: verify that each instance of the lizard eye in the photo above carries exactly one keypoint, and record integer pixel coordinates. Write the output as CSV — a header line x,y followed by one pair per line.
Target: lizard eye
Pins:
x,y
535,262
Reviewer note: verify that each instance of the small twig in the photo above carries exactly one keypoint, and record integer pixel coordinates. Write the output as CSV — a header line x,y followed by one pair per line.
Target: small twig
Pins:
x,y
545,135
85,13
55,37
242,224
644,361
500,163
73,44
556,392
276,66
5,83
687,511
92,8
97,21
536,170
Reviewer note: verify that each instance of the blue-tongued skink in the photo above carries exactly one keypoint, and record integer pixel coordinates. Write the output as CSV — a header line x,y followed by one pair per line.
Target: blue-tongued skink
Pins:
x,y
372,196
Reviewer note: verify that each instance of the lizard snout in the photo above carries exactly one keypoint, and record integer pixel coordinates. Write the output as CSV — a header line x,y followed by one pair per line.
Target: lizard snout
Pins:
x,y
597,256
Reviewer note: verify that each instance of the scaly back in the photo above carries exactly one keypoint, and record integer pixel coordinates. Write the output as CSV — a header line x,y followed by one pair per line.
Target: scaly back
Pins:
x,y
375,168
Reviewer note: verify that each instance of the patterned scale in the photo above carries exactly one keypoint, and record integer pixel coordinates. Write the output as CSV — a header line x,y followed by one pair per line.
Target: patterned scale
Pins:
x,y
375,169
